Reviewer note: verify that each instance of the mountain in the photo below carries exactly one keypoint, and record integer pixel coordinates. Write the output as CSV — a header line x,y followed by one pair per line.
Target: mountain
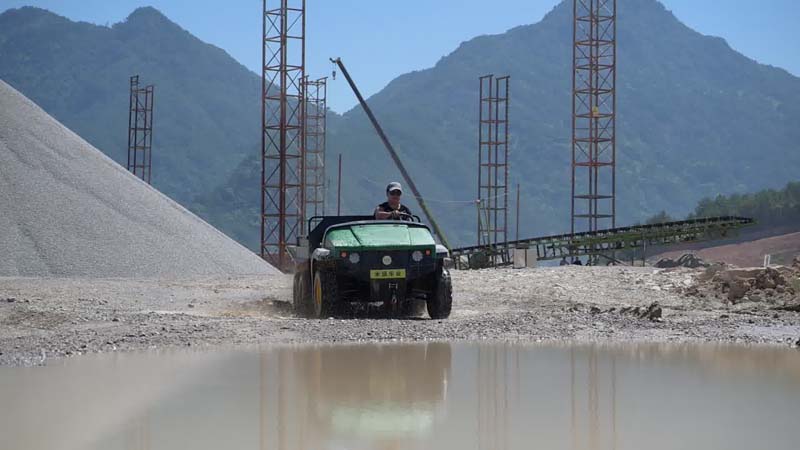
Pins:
x,y
206,107
695,119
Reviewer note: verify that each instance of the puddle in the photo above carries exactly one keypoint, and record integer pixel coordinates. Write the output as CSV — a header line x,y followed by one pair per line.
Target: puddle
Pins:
x,y
437,396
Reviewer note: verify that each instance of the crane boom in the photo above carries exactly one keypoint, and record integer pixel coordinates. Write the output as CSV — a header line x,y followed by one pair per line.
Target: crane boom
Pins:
x,y
393,154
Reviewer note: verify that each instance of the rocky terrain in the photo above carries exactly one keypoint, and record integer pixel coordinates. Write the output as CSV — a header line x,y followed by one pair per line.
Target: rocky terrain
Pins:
x,y
45,318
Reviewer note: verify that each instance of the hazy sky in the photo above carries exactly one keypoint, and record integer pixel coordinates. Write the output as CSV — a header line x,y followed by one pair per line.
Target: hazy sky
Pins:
x,y
380,39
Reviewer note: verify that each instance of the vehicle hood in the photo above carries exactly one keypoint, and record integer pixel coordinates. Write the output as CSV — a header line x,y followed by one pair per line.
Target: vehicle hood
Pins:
x,y
380,236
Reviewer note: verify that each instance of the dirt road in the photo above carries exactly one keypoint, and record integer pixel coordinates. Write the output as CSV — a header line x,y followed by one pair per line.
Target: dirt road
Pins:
x,y
41,319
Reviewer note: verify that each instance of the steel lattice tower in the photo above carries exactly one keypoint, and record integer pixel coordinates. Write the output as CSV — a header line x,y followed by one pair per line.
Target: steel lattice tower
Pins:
x,y
315,114
140,129
594,115
485,127
493,165
282,171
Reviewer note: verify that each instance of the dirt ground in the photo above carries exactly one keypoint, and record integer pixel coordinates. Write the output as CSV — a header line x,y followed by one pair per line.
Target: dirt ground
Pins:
x,y
42,319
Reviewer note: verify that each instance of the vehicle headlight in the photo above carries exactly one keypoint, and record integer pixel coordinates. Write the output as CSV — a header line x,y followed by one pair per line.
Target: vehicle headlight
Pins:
x,y
416,256
355,258
387,260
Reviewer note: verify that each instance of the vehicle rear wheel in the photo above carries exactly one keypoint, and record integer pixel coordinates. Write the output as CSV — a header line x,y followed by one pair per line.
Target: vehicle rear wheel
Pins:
x,y
441,302
324,293
301,293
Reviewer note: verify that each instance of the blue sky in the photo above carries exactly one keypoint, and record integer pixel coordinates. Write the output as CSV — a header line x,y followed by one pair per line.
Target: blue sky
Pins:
x,y
380,40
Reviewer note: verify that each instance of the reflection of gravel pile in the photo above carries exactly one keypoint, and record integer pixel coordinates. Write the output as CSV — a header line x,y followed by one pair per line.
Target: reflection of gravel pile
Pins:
x,y
68,210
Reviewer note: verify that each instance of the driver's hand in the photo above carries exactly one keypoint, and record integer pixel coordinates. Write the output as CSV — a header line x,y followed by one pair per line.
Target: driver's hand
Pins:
x,y
395,214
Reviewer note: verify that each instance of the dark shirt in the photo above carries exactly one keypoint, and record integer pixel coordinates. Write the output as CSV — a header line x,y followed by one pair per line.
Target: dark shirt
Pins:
x,y
384,207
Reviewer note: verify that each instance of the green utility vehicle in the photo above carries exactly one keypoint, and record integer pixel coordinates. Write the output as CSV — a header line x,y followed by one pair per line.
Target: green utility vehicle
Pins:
x,y
348,260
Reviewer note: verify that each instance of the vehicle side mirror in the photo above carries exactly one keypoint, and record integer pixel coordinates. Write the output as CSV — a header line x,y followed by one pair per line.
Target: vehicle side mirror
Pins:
x,y
320,253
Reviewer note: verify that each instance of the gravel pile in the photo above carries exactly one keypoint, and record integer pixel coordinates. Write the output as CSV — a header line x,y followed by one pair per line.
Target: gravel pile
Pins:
x,y
68,210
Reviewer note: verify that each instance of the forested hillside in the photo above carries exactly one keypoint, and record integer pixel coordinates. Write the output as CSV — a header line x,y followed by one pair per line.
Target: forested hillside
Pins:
x,y
770,207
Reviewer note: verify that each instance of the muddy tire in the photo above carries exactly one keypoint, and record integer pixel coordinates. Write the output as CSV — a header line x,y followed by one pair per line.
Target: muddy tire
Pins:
x,y
301,293
441,302
324,295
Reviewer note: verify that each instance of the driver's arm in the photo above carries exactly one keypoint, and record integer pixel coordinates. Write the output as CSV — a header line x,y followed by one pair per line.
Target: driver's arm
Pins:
x,y
382,215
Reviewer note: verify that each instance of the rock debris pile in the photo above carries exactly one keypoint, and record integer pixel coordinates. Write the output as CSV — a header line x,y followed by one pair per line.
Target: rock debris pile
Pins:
x,y
778,285
68,210
688,260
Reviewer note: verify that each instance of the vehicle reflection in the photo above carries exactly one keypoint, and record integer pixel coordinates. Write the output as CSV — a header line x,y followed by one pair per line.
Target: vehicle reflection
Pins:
x,y
377,395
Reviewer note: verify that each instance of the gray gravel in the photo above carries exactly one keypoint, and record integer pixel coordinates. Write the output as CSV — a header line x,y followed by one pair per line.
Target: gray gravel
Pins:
x,y
68,210
45,318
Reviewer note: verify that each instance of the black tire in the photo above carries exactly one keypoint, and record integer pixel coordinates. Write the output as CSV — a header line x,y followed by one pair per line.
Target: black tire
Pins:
x,y
413,308
323,294
301,293
441,302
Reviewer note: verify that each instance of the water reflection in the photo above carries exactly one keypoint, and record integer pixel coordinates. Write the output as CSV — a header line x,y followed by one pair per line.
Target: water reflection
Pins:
x,y
593,435
378,394
435,395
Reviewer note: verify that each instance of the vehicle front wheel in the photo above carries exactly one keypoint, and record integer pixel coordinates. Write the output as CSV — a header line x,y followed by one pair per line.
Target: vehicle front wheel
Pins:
x,y
324,293
441,302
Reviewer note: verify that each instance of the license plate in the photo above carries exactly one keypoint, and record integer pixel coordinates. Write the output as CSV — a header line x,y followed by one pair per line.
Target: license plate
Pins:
x,y
387,274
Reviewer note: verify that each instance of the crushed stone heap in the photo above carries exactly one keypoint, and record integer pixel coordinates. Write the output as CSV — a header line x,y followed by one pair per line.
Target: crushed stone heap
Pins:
x,y
68,210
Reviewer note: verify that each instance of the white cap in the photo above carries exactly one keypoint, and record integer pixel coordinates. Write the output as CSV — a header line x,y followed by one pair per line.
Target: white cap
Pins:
x,y
394,186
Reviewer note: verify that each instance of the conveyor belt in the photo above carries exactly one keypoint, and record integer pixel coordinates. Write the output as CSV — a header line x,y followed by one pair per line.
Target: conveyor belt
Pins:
x,y
606,242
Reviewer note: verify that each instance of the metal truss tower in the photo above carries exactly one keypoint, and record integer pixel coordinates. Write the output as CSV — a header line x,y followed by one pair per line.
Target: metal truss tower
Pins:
x,y
282,121
594,115
315,114
493,166
140,129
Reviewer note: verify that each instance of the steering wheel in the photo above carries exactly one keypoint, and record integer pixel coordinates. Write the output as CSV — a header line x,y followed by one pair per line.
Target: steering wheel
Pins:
x,y
404,216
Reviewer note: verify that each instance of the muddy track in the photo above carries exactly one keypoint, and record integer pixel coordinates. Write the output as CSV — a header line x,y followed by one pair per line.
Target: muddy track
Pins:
x,y
42,319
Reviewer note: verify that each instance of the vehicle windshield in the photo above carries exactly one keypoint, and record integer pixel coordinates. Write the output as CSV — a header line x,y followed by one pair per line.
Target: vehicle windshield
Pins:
x,y
379,235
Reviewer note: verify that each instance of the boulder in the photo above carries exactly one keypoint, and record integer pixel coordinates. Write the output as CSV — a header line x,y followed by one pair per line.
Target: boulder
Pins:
x,y
737,290
653,312
769,278
711,271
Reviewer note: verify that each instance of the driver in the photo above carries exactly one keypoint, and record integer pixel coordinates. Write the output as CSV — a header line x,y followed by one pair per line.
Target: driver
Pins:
x,y
391,209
